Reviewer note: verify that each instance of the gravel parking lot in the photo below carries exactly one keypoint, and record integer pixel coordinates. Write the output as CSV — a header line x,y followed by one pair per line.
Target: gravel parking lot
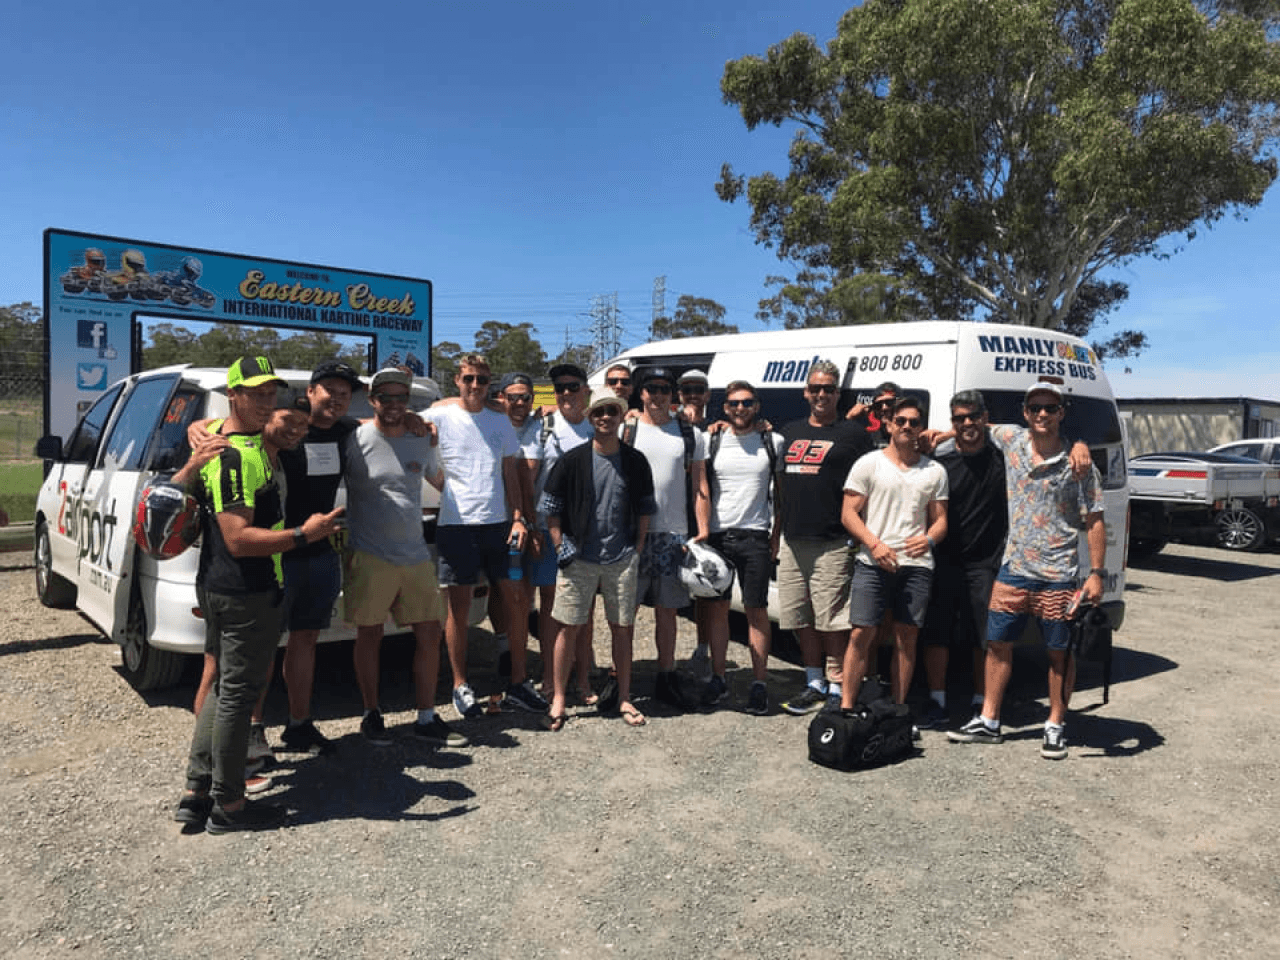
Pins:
x,y
703,835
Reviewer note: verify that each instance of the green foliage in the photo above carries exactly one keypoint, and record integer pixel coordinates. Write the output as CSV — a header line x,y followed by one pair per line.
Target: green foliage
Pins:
x,y
19,484
21,342
693,317
444,366
222,344
511,347
993,157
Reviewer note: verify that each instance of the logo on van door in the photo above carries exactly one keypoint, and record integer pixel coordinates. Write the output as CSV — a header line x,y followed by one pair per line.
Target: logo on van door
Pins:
x,y
788,371
1040,357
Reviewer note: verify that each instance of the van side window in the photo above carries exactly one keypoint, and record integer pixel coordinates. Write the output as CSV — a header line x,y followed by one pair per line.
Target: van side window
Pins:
x,y
137,422
169,449
84,441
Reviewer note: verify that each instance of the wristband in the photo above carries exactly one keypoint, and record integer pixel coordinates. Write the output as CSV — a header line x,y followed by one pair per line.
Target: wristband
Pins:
x,y
1099,572
932,545
522,521
299,538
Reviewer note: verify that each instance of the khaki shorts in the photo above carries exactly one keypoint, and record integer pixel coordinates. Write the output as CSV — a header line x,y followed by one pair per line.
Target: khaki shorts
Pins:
x,y
373,588
813,584
578,583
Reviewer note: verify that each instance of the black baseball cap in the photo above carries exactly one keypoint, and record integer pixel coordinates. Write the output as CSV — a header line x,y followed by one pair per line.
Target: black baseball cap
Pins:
x,y
336,368
649,374
511,379
567,370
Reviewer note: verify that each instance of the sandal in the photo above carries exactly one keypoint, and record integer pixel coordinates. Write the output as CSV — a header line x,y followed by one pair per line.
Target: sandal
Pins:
x,y
633,717
556,724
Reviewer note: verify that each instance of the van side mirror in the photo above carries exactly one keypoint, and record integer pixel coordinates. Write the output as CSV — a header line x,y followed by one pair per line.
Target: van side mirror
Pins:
x,y
49,448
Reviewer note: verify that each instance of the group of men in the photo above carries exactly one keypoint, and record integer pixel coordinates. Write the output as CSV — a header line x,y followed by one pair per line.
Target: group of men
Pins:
x,y
597,498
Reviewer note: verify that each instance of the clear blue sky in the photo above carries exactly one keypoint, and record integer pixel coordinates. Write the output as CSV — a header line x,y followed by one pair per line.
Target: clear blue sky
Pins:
x,y
523,157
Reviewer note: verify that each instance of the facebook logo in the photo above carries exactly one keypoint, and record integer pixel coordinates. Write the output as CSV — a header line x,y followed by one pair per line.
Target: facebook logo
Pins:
x,y
91,376
91,333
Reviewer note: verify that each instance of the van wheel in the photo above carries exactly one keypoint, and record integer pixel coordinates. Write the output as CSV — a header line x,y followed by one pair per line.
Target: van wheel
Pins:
x,y
1241,529
53,590
145,667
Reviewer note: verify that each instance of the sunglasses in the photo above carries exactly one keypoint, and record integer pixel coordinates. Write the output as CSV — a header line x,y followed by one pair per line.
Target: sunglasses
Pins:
x,y
817,388
657,388
879,404
518,397
960,418
693,388
391,397
602,412
478,378
912,422
1034,408
573,387
735,404
618,381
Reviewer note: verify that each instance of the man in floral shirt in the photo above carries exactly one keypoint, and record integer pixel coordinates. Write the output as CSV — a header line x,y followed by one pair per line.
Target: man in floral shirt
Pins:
x,y
1048,506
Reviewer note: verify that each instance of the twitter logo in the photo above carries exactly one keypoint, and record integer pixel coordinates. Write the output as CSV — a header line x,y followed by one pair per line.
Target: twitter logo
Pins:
x,y
91,376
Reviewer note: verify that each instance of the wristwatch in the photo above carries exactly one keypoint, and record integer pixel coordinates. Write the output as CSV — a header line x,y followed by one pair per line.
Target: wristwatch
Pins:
x,y
299,538
1099,571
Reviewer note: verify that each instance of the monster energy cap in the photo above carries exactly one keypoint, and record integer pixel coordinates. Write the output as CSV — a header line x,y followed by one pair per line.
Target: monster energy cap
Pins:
x,y
252,372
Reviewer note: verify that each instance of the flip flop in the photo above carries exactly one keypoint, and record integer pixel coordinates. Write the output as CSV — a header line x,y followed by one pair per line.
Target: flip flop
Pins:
x,y
587,699
633,717
556,724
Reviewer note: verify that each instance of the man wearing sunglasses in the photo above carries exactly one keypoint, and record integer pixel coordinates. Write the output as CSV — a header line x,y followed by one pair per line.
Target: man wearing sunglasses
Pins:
x,y
967,560
481,457
741,474
895,507
618,379
598,499
878,412
1047,501
694,393
814,560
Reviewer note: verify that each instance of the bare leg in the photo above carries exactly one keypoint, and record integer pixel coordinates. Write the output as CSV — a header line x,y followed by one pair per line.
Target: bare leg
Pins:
x,y
664,635
835,643
979,671
426,663
455,635
1058,698
935,666
547,631
365,659
622,655
583,655
856,655
810,646
300,671
904,660
713,625
999,667
564,656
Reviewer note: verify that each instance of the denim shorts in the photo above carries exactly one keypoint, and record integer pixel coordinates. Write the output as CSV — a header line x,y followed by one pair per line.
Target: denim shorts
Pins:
x,y
904,591
540,571
1015,599
748,551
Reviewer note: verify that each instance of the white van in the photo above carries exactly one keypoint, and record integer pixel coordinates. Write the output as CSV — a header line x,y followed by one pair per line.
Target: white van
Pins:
x,y
85,557
931,361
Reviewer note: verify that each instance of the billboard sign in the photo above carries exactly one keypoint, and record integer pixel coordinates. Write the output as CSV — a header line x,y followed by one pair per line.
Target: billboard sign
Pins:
x,y
97,288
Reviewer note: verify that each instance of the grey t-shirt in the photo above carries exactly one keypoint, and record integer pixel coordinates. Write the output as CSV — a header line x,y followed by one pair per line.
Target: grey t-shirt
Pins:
x,y
384,494
609,539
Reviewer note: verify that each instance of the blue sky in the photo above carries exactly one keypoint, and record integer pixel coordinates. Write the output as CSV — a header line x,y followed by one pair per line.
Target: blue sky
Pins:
x,y
523,157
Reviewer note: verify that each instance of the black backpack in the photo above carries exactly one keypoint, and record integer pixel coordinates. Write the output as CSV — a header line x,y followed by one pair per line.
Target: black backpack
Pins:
x,y
874,732
1091,640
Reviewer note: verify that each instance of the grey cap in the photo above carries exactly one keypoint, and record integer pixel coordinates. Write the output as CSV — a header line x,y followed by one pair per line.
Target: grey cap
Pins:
x,y
694,376
605,397
1043,386
391,375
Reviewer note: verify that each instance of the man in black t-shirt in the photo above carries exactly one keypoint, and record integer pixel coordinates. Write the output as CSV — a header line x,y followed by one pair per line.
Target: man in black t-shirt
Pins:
x,y
967,561
814,561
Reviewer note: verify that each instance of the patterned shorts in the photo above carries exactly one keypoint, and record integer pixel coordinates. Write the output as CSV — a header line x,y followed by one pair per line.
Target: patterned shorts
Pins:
x,y
1015,599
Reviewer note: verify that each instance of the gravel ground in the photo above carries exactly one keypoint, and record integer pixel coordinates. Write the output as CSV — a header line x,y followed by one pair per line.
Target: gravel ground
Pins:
x,y
708,835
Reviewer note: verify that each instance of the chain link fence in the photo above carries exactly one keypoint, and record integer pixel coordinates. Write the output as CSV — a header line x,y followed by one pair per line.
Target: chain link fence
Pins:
x,y
21,395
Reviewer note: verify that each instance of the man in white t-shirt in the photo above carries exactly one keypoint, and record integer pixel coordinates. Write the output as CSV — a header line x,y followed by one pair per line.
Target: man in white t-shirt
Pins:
x,y
895,506
677,454
741,472
480,454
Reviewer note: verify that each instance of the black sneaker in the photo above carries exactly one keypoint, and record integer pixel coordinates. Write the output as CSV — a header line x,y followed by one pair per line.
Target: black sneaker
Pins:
x,y
714,692
504,664
193,809
935,717
758,699
374,730
975,731
305,738
439,733
1055,743
667,689
522,696
806,701
254,815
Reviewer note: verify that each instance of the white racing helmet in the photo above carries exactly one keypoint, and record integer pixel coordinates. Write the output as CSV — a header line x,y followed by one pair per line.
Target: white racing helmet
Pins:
x,y
704,571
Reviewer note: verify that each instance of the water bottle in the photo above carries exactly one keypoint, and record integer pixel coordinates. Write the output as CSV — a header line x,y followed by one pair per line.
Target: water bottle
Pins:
x,y
515,560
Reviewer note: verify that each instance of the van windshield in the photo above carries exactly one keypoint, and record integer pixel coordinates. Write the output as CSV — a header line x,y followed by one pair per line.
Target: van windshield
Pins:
x,y
1090,419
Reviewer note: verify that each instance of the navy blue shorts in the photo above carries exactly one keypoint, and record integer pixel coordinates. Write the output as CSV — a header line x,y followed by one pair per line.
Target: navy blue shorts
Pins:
x,y
311,587
905,591
467,551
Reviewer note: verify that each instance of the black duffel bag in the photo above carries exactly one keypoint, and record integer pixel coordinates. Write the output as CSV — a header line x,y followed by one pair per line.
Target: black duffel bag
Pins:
x,y
875,731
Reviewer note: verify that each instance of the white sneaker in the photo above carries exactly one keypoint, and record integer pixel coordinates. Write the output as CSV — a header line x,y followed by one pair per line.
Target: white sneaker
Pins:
x,y
464,701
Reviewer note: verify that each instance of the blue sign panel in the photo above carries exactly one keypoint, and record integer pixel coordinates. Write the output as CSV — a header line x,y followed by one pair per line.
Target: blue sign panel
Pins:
x,y
96,287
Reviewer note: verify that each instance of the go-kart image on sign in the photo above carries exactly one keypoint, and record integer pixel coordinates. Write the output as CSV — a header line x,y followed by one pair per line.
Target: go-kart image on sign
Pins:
x,y
97,287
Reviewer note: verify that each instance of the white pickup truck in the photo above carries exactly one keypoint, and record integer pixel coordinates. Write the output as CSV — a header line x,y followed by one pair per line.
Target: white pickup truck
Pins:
x,y
1228,500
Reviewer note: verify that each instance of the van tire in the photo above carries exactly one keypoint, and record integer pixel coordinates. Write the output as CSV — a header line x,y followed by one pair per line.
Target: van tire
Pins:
x,y
1241,529
145,667
53,590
